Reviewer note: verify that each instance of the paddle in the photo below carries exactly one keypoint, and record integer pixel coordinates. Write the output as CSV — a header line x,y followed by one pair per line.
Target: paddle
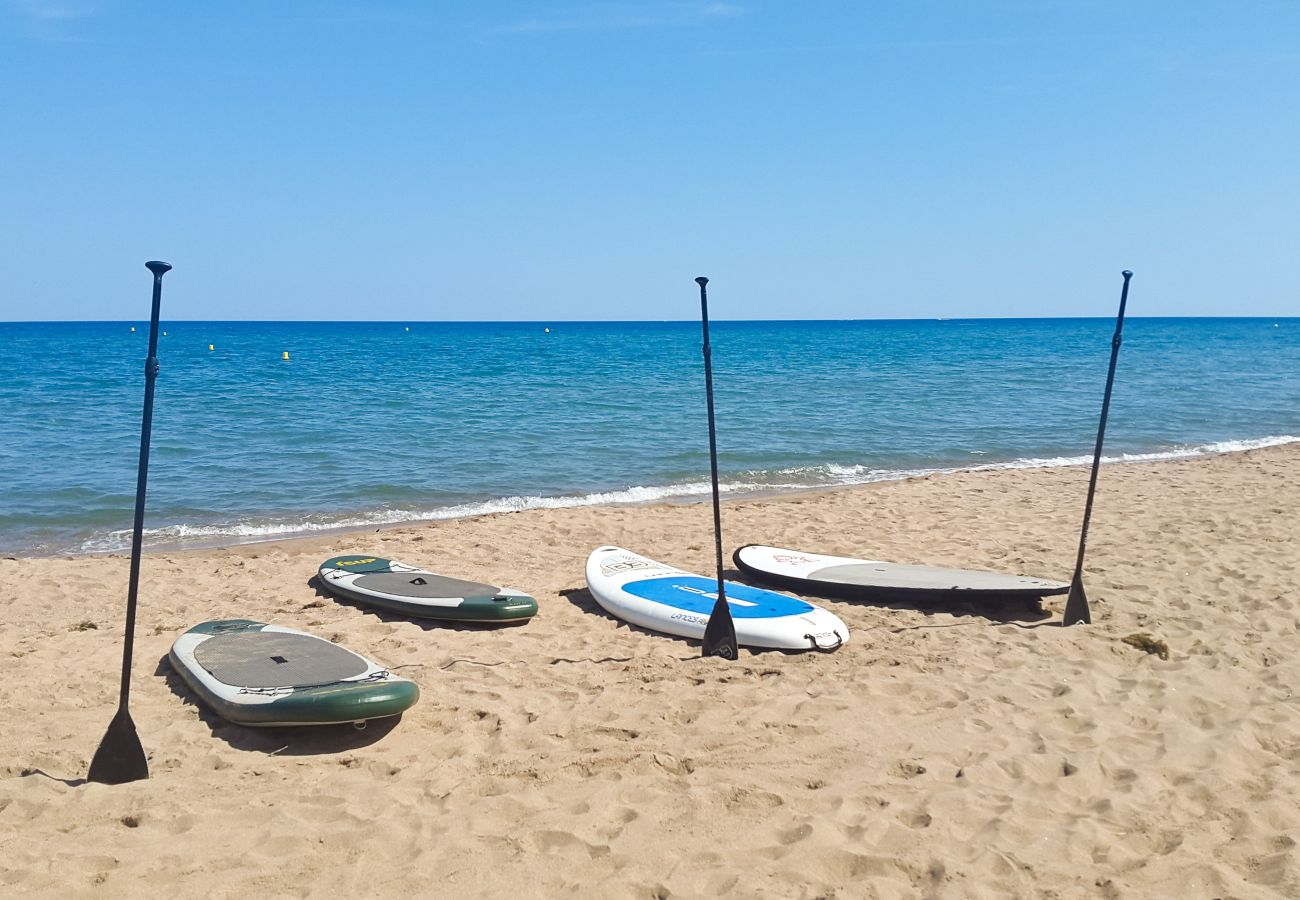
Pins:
x,y
1076,605
120,757
720,633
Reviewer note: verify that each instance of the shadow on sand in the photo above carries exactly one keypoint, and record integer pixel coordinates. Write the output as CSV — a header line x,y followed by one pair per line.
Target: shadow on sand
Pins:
x,y
998,611
70,782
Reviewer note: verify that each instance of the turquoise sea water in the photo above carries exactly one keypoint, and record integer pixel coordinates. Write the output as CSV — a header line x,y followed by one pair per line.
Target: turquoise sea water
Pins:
x,y
368,423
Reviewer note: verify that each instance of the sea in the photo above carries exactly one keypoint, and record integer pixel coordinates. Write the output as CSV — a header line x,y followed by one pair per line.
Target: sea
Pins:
x,y
263,430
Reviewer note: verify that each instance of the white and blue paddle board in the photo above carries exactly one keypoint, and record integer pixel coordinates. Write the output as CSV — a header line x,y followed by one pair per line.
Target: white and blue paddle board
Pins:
x,y
661,598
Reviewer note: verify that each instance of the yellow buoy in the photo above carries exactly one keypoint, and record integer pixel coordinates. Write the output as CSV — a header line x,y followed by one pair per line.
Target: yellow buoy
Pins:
x,y
133,328
286,356
211,347
548,331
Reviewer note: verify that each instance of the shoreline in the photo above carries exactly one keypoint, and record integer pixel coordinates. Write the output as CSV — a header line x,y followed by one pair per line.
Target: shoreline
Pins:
x,y
229,541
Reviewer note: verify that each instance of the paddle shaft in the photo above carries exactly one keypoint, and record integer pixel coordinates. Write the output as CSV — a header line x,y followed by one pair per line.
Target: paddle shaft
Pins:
x,y
713,437
719,639
1077,614
142,479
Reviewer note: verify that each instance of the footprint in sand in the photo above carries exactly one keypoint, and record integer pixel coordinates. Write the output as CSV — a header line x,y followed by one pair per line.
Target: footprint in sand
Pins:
x,y
796,834
915,818
557,840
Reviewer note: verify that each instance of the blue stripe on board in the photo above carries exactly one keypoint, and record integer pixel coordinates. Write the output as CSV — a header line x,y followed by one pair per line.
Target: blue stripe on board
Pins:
x,y
698,595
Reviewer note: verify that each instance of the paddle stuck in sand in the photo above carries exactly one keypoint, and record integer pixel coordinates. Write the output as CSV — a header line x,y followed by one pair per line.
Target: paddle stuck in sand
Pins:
x,y
120,757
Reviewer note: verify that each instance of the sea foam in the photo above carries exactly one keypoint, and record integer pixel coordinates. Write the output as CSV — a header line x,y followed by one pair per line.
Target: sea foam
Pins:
x,y
785,480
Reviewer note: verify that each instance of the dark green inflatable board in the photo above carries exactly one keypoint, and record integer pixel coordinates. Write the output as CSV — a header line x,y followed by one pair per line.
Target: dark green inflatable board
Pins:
x,y
404,589
252,673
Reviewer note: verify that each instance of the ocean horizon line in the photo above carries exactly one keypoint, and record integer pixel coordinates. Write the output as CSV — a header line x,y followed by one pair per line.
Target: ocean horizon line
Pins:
x,y
712,319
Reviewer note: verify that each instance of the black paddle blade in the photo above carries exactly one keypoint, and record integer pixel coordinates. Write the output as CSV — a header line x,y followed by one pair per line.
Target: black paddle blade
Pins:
x,y
120,757
720,633
1076,605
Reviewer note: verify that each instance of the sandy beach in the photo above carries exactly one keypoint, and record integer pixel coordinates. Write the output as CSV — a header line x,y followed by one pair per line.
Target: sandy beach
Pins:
x,y
966,752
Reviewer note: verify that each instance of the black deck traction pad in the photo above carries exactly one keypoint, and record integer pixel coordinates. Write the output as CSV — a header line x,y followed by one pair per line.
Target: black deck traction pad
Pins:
x,y
407,584
271,659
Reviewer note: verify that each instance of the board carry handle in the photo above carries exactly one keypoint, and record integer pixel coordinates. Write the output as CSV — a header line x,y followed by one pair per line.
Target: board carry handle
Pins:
x,y
812,639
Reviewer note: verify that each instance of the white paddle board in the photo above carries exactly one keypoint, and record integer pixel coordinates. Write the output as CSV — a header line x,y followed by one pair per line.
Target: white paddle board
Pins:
x,y
866,579
666,599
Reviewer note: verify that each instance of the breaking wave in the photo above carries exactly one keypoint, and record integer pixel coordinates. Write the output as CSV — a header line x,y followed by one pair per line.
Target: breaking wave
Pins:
x,y
794,478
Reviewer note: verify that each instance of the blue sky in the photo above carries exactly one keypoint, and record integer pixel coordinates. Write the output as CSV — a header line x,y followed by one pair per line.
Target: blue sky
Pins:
x,y
386,160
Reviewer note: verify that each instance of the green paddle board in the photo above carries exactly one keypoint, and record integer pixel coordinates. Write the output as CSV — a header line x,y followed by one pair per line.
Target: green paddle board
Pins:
x,y
411,591
253,673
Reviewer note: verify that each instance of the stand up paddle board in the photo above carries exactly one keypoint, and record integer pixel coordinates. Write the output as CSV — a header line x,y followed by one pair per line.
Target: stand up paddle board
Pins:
x,y
404,589
252,673
864,579
662,598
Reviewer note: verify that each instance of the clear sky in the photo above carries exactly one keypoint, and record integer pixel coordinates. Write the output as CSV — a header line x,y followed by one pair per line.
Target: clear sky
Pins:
x,y
512,160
